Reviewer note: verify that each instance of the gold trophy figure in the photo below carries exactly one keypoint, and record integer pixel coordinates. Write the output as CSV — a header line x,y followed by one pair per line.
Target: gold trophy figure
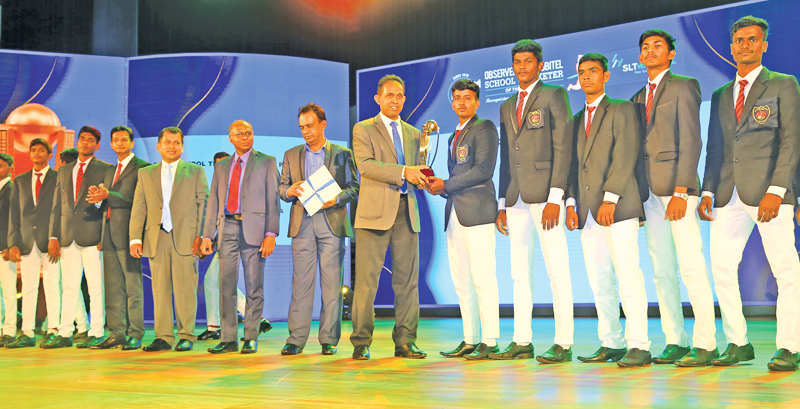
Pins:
x,y
425,145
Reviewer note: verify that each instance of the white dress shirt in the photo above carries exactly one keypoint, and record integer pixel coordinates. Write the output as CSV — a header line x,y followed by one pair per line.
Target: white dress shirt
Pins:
x,y
33,181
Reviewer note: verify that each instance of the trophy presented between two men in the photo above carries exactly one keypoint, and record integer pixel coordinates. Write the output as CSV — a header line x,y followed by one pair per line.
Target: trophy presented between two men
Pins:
x,y
425,146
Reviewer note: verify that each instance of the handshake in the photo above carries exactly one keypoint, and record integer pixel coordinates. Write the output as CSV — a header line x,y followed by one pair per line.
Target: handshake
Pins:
x,y
415,176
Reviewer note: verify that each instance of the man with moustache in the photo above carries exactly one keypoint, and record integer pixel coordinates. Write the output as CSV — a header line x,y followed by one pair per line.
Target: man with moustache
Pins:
x,y
317,240
535,154
387,154
469,218
76,228
752,154
602,182
668,109
121,272
8,267
165,226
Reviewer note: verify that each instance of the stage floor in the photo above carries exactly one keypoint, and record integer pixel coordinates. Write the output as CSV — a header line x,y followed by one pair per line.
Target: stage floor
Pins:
x,y
34,377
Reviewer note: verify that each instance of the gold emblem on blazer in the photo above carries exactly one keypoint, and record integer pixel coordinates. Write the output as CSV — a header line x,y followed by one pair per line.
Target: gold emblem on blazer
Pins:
x,y
461,154
535,118
761,114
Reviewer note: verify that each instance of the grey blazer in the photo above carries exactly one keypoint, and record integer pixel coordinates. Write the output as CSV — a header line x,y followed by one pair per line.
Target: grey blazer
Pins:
x,y
470,187
120,200
31,223
339,161
670,143
761,150
260,206
536,156
81,221
187,207
381,176
605,160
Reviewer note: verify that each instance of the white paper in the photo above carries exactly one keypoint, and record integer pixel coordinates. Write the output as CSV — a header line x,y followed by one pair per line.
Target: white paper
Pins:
x,y
313,199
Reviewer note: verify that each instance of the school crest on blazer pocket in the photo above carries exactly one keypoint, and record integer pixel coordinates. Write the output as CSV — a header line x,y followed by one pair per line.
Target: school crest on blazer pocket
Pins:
x,y
761,114
535,119
462,154
765,114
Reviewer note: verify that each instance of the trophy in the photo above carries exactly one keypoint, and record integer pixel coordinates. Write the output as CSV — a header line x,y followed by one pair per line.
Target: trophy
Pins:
x,y
425,145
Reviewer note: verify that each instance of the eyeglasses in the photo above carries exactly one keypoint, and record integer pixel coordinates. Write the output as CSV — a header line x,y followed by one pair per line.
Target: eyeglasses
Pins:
x,y
242,135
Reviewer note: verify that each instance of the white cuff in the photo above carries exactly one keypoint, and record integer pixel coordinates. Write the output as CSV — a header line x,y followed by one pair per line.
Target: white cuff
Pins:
x,y
501,204
570,202
706,193
777,190
556,195
611,197
135,241
403,174
97,205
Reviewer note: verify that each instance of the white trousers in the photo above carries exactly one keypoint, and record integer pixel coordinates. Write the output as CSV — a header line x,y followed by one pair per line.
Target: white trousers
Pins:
x,y
75,262
674,243
8,297
473,269
607,250
524,224
729,233
211,290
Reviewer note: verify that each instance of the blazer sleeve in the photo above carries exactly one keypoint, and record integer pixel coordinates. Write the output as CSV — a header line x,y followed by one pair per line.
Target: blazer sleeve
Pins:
x,y
789,134
562,138
714,147
138,211
505,173
485,160
350,186
210,224
572,180
272,200
370,168
625,150
286,178
201,197
689,138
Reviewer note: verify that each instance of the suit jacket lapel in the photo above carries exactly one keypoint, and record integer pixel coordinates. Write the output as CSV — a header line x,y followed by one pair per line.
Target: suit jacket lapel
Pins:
x,y
156,175
179,175
125,172
47,178
662,86
328,155
597,121
385,133
410,149
758,88
302,156
252,161
531,99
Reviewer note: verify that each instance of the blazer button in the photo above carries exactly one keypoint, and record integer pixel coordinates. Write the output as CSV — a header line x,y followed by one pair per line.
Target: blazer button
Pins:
x,y
736,160
34,227
587,187
517,164
645,141
516,148
585,169
646,157
736,138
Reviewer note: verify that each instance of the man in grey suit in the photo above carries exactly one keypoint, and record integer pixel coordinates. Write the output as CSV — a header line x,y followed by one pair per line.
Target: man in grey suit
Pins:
x,y
752,154
122,273
317,240
244,210
76,229
166,221
8,267
603,183
668,109
469,217
387,155
535,153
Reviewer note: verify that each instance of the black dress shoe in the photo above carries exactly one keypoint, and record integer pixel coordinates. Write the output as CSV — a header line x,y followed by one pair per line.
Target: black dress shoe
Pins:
x,y
184,345
23,341
361,353
605,354
110,342
697,357
328,349
555,355
131,344
224,348
482,352
5,340
264,326
409,350
88,342
514,351
249,347
671,354
48,338
58,342
158,344
734,354
462,349
635,357
784,360
291,349
77,336
209,334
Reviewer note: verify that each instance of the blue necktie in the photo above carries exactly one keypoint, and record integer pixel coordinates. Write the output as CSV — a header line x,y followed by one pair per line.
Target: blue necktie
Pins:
x,y
401,158
166,216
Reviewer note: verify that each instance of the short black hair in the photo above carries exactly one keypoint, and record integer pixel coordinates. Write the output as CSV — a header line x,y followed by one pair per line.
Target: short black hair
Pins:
x,y
122,128
7,159
466,84
312,107
42,142
68,155
748,21
390,77
595,57
220,155
92,130
170,129
668,38
527,46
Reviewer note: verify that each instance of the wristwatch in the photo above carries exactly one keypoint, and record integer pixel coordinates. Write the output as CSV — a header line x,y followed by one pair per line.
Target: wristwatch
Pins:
x,y
684,196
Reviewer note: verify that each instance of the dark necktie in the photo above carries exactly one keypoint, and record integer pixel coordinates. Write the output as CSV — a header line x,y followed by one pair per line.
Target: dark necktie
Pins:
x,y
455,141
520,106
590,109
78,181
233,191
650,96
38,183
740,100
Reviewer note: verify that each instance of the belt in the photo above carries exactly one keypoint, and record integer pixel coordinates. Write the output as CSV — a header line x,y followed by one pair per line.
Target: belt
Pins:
x,y
234,217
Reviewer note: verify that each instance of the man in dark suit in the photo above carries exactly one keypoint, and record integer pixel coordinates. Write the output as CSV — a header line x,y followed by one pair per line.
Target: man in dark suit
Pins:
x,y
752,154
166,222
387,154
668,109
317,240
535,153
603,183
8,268
76,228
121,272
469,217
244,210
31,205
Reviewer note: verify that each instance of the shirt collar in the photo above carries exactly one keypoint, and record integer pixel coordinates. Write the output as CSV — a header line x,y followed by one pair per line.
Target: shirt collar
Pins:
x,y
43,171
658,78
596,101
751,77
461,127
127,160
244,157
87,161
387,122
308,148
174,164
4,181
530,87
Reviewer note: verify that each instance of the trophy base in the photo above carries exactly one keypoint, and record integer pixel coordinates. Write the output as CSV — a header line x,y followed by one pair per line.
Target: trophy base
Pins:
x,y
427,172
